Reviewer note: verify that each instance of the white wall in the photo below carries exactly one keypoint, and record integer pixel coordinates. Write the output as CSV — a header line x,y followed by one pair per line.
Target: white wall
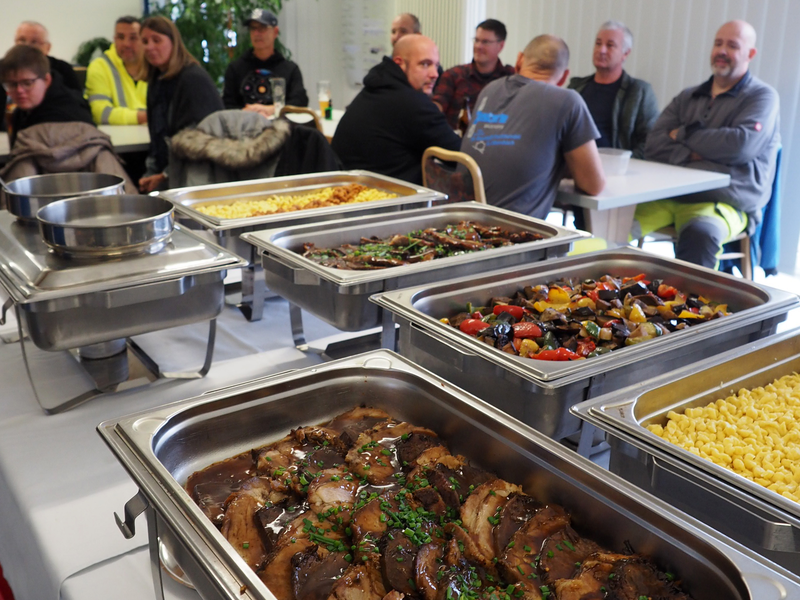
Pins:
x,y
69,23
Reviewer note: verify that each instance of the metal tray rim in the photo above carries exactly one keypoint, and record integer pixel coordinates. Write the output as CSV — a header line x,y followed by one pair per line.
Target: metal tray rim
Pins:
x,y
399,302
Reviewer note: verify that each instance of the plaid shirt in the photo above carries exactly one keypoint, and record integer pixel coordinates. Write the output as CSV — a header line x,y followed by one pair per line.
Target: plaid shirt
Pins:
x,y
463,81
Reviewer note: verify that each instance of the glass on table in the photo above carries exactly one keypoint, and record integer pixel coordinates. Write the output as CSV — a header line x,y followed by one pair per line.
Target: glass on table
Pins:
x,y
324,96
278,85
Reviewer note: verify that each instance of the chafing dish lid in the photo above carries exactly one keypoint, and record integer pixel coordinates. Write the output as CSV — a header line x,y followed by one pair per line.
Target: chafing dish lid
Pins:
x,y
30,272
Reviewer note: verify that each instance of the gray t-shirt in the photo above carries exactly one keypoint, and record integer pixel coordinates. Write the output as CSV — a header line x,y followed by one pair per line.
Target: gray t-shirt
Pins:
x,y
519,134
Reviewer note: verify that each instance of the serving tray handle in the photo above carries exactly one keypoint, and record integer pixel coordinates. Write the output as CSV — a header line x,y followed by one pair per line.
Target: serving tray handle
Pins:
x,y
133,508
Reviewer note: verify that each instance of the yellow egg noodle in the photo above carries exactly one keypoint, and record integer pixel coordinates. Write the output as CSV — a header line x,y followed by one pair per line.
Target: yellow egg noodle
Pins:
x,y
329,196
755,433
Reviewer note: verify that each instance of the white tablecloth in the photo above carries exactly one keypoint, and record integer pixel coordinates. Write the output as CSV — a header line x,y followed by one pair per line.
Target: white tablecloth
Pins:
x,y
60,485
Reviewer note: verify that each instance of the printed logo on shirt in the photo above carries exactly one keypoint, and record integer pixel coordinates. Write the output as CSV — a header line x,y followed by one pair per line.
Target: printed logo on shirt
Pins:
x,y
487,117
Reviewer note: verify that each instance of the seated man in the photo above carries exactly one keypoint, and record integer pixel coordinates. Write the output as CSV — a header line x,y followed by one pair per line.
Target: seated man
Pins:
x,y
527,128
392,121
40,96
728,124
403,24
463,83
114,94
247,78
623,108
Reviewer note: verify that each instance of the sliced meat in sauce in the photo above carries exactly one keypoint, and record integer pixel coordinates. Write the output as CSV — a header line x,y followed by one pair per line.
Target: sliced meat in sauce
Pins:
x,y
374,454
481,509
210,487
240,527
410,448
517,511
315,572
332,494
634,577
426,569
273,519
398,554
522,552
359,582
591,583
354,422
563,554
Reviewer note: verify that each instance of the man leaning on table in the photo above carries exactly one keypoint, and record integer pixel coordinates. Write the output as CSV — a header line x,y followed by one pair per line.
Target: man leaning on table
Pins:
x,y
247,84
527,128
729,124
392,121
115,96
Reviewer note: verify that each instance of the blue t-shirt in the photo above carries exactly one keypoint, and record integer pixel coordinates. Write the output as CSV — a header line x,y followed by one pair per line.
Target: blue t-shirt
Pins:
x,y
520,131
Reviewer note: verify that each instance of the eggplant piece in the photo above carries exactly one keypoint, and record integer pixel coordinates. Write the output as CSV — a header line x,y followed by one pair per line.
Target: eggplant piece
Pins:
x,y
637,288
649,300
505,317
502,333
654,284
608,295
551,314
693,302
620,330
583,313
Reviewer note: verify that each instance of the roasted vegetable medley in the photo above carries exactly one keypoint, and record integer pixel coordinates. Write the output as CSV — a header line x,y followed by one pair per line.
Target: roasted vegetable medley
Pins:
x,y
574,320
366,507
417,246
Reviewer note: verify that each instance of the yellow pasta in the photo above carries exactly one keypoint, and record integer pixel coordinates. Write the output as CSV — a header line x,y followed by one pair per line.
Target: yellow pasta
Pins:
x,y
755,433
329,196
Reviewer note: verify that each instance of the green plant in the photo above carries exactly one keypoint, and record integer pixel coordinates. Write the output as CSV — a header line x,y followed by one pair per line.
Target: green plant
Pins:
x,y
213,31
87,49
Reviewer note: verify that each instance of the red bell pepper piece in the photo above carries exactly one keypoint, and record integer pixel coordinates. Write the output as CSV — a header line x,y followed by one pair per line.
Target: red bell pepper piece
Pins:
x,y
473,326
585,347
526,329
666,292
557,354
514,311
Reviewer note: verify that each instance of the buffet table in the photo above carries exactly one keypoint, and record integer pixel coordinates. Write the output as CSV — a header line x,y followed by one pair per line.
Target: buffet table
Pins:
x,y
59,484
609,215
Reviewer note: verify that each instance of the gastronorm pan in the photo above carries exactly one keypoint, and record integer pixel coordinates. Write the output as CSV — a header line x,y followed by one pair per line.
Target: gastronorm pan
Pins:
x,y
160,448
227,231
341,297
540,392
740,508
106,226
28,194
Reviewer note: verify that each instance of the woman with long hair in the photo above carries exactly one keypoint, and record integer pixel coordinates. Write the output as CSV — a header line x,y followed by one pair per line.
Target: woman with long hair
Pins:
x,y
180,94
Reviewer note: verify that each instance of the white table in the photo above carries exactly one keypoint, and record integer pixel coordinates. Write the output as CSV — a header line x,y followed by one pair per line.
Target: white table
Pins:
x,y
328,125
125,138
60,485
609,215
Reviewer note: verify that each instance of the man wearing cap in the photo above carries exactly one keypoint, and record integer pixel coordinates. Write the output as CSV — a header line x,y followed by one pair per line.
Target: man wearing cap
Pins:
x,y
247,78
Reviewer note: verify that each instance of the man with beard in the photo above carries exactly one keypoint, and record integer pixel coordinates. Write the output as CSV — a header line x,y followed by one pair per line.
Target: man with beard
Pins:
x,y
392,121
729,124
114,94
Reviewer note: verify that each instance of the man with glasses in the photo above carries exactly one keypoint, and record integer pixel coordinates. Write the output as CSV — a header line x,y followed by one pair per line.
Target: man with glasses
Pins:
x,y
458,88
247,84
114,94
39,95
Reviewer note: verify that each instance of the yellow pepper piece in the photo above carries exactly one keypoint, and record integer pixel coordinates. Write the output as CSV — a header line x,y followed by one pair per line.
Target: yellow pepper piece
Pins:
x,y
557,295
528,348
686,314
542,306
617,313
637,315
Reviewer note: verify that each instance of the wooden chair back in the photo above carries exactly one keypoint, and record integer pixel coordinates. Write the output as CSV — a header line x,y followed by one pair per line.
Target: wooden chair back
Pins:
x,y
460,185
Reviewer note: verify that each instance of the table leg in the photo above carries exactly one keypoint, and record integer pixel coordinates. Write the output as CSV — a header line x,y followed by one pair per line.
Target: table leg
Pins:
x,y
613,225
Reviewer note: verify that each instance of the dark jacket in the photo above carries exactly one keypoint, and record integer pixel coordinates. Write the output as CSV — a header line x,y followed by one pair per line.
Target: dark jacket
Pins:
x,y
243,79
175,104
60,105
389,125
635,111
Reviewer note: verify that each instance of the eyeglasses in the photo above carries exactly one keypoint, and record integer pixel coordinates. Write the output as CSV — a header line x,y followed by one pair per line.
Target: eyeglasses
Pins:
x,y
484,42
25,84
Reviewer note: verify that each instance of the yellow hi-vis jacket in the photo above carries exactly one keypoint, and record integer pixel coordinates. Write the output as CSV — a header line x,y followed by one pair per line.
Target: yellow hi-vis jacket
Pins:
x,y
112,93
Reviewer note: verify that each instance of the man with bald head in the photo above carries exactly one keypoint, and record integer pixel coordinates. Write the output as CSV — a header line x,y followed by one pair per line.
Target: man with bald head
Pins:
x,y
403,24
729,124
392,121
527,128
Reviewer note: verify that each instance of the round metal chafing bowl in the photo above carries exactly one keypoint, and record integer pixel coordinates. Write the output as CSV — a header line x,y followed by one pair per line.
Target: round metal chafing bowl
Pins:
x,y
29,194
106,226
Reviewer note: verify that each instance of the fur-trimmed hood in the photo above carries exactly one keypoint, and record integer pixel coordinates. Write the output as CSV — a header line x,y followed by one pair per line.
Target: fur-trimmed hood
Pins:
x,y
233,139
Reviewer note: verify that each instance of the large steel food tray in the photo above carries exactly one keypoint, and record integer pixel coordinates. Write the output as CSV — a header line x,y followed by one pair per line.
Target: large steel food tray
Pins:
x,y
162,447
748,512
341,297
540,392
227,231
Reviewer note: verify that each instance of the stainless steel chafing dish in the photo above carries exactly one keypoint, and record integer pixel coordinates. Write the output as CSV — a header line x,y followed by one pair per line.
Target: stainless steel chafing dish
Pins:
x,y
754,515
340,297
540,393
162,447
227,231
64,303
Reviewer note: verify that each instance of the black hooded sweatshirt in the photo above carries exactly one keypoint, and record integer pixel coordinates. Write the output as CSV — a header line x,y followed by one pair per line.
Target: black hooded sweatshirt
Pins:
x,y
59,105
389,125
